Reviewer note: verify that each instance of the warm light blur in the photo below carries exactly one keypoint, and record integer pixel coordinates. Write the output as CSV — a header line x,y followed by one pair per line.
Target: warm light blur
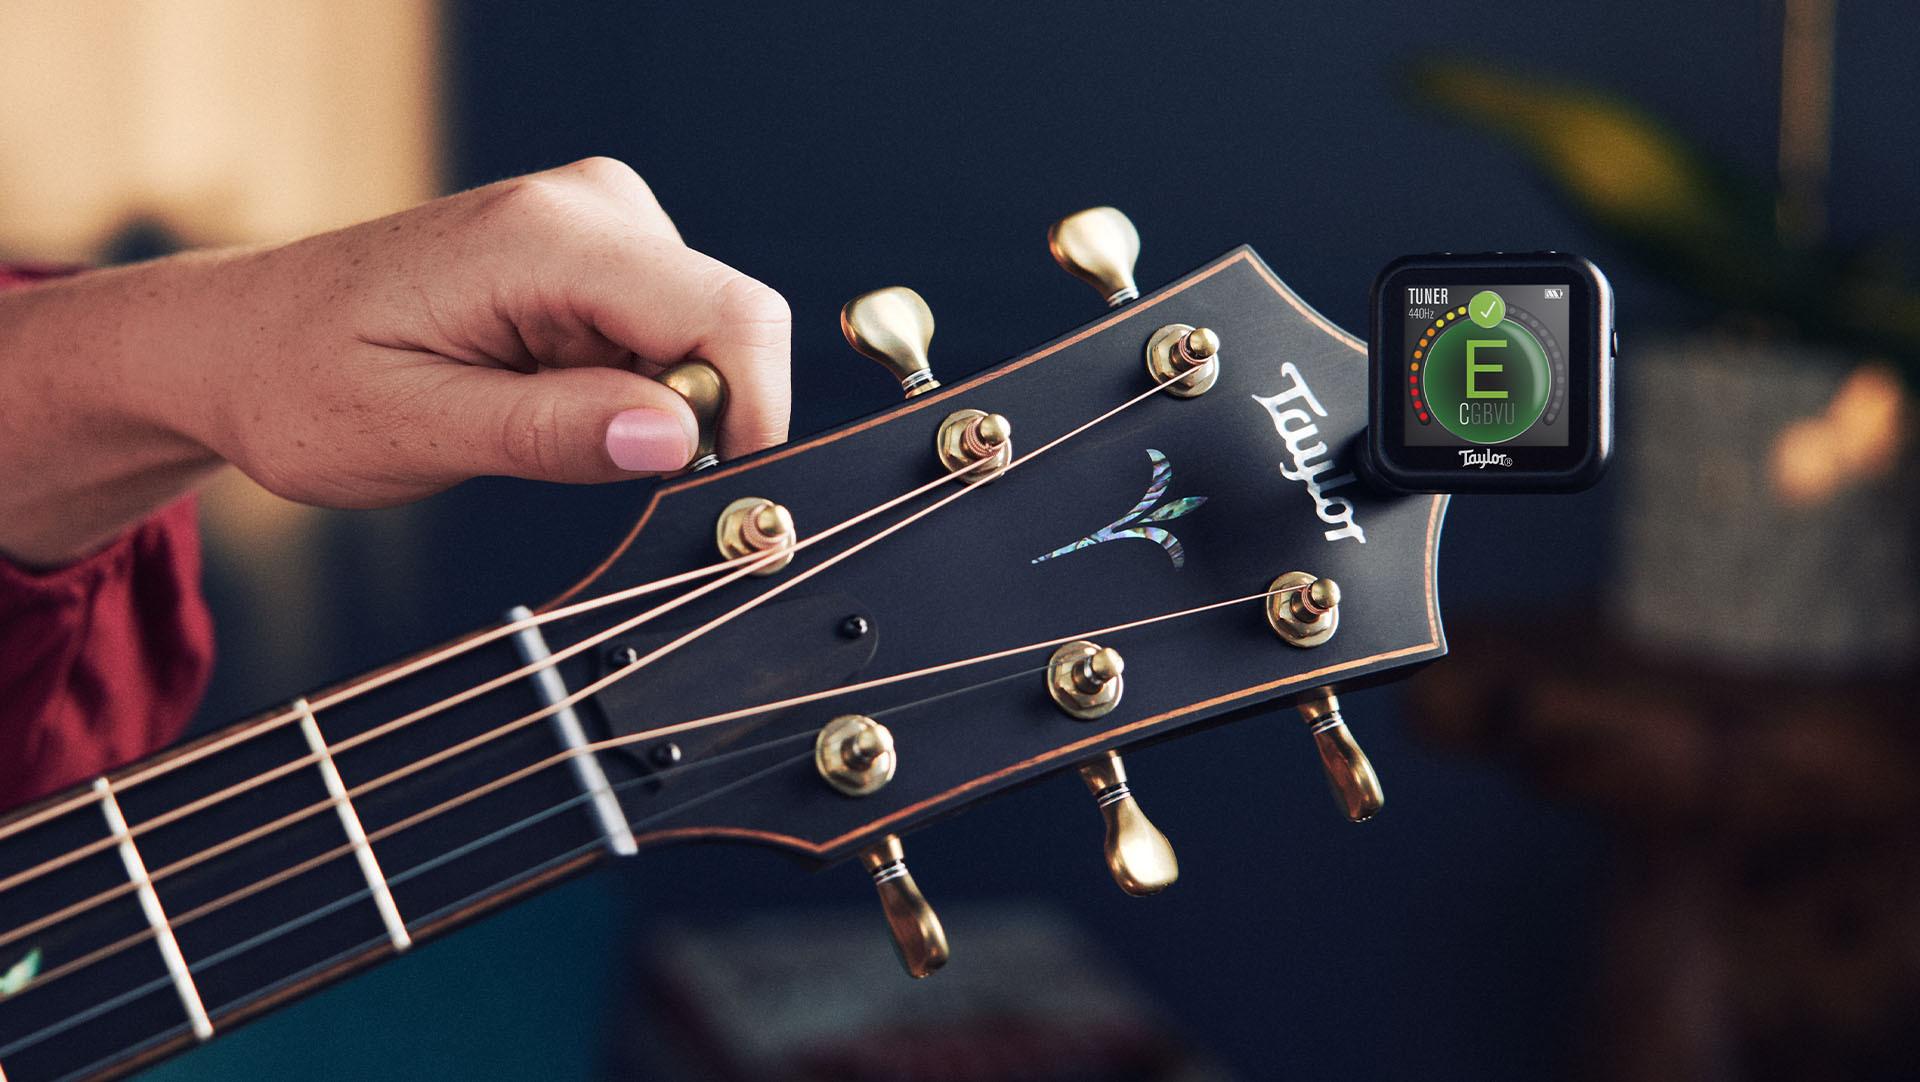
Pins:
x,y
1856,439
224,120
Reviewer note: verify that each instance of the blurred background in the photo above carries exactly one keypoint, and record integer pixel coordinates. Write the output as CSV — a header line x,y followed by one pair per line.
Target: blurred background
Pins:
x,y
1652,818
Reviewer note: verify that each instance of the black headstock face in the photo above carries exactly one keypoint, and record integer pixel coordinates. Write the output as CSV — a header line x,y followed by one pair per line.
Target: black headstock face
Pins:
x,y
1168,505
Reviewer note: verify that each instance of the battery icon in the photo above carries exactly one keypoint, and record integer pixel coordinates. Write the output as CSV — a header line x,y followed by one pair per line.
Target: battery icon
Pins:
x,y
1555,293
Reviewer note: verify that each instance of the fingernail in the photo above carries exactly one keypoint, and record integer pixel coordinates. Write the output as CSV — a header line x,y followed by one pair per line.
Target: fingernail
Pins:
x,y
648,441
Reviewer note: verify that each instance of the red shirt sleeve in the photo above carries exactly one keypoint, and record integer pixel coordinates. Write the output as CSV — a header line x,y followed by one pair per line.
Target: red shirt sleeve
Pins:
x,y
102,661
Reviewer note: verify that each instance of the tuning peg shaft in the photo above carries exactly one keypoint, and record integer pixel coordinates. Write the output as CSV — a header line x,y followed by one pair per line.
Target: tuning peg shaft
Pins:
x,y
1139,856
917,934
893,326
1356,788
706,393
1099,246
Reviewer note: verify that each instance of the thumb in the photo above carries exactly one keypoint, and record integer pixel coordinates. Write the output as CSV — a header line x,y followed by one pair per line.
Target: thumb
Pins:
x,y
577,425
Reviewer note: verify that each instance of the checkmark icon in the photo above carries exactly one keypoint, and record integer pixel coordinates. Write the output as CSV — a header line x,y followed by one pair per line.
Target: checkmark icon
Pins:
x,y
1487,308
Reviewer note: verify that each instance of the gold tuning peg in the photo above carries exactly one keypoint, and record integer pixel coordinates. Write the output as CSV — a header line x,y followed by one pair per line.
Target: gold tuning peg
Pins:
x,y
1349,773
700,384
917,934
1138,855
893,326
1099,246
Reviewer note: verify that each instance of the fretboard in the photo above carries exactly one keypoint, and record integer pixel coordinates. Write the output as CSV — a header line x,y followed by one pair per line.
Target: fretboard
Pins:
x,y
174,898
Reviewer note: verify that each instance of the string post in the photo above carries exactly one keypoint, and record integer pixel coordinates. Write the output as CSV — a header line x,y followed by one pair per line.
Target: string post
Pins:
x,y
756,526
1085,679
1185,358
974,445
855,754
1303,609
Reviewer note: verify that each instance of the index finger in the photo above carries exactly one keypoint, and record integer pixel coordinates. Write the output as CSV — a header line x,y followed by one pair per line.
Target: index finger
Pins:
x,y
668,303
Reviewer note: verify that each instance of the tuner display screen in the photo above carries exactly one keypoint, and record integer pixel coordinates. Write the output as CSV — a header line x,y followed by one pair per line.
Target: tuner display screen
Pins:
x,y
1486,365
1490,373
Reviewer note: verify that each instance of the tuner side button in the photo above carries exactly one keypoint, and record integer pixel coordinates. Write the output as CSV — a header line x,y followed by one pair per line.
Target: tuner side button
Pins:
x,y
1138,855
1187,354
1302,609
1356,788
917,934
1085,679
751,525
970,436
706,393
893,326
1099,246
855,754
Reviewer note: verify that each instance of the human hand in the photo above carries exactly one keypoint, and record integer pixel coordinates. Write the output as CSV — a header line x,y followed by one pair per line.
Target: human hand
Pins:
x,y
511,329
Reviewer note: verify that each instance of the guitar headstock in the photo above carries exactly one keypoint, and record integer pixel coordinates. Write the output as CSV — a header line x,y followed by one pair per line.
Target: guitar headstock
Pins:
x,y
1155,523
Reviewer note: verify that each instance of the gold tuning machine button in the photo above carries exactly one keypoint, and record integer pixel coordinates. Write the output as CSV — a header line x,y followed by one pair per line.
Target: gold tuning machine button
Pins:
x,y
700,384
1138,855
1099,246
971,436
1086,679
1356,788
1303,609
917,934
751,526
1187,355
893,326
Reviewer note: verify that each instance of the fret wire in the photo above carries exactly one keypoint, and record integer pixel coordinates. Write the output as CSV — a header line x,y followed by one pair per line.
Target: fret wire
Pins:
x,y
502,681
136,774
751,563
356,834
554,760
411,873
440,861
156,914
725,617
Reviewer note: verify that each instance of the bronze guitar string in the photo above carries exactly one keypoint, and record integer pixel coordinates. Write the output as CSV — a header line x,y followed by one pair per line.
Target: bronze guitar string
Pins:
x,y
744,566
561,757
518,723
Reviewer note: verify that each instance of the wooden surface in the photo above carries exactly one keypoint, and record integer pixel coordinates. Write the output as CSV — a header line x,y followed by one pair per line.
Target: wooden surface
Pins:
x,y
1764,918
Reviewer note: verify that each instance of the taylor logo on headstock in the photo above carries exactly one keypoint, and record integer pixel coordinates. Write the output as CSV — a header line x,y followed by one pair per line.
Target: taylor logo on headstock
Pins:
x,y
1143,512
1296,426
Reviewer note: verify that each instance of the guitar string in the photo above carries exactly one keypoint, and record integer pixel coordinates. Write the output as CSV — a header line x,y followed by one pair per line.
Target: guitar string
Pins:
x,y
50,1031
371,683
316,861
751,563
528,719
559,758
234,950
664,774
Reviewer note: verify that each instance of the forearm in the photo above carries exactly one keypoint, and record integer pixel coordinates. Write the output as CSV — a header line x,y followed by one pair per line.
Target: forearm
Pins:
x,y
98,405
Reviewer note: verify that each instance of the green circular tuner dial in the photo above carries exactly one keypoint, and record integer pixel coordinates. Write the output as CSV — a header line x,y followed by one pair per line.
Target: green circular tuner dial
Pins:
x,y
1486,384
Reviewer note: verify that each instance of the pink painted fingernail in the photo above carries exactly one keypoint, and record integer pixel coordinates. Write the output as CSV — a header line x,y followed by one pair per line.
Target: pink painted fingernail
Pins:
x,y
648,441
